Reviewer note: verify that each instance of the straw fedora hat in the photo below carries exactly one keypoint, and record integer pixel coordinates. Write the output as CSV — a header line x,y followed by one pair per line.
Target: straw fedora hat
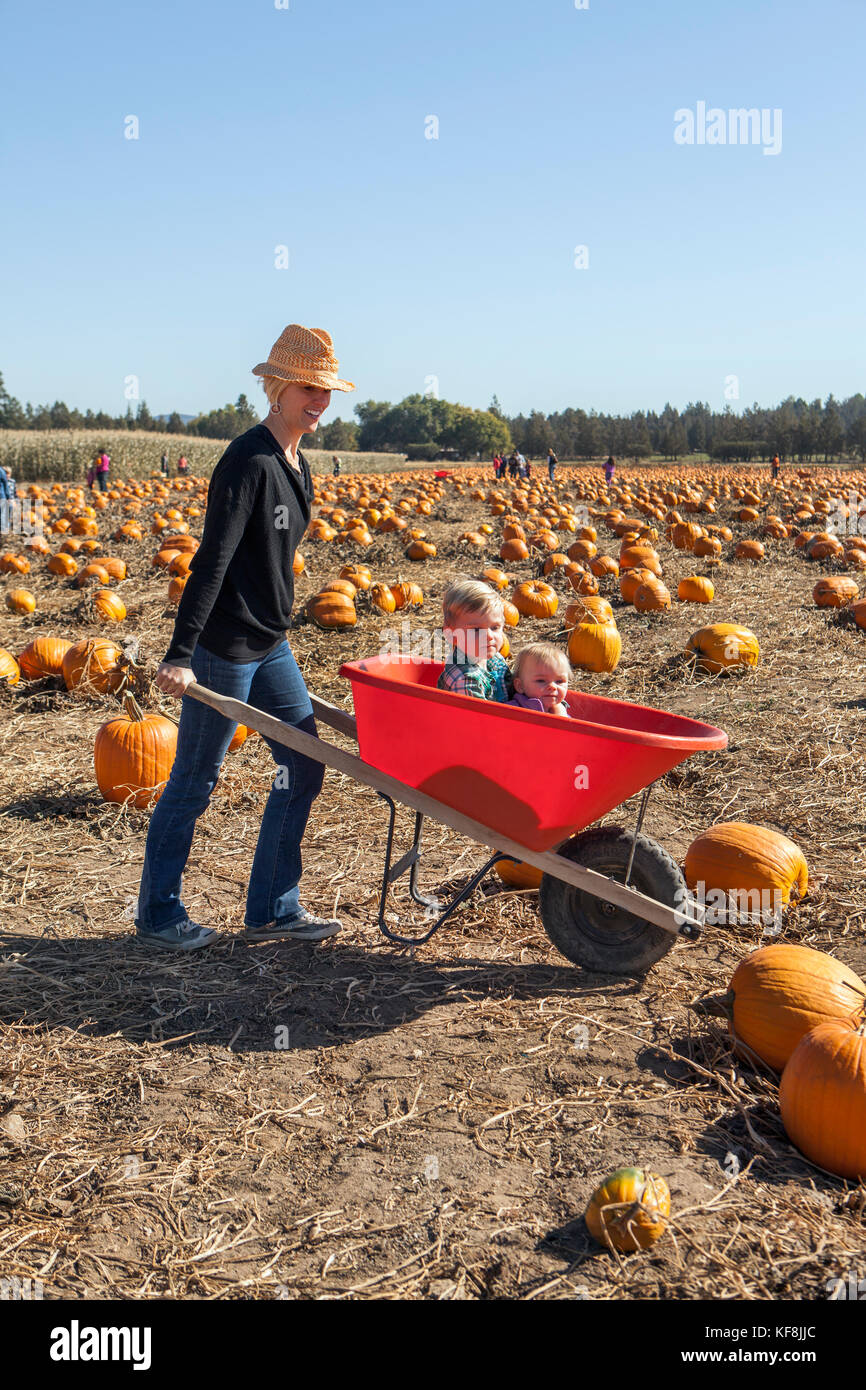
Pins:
x,y
305,355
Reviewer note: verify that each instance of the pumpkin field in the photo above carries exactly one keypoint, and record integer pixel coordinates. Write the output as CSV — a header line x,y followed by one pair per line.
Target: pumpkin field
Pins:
x,y
358,1121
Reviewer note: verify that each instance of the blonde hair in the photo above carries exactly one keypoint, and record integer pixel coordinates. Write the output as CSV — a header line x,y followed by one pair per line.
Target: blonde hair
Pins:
x,y
470,596
546,654
273,386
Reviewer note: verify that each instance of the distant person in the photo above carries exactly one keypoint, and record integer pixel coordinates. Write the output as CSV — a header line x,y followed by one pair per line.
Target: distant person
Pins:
x,y
336,466
91,472
183,464
521,464
512,466
163,465
496,465
552,461
774,467
527,469
609,469
103,465
6,495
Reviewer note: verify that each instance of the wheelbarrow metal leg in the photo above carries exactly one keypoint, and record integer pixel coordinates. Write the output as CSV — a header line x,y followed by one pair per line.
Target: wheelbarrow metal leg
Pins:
x,y
640,815
410,861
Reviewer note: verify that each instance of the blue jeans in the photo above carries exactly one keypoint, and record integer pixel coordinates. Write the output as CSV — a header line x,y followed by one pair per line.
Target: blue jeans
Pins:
x,y
273,684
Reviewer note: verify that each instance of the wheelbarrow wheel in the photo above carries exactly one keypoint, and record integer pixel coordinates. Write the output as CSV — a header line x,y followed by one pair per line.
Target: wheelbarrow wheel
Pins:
x,y
599,935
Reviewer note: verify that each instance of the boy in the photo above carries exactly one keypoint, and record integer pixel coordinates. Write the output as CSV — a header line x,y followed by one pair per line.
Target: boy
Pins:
x,y
474,624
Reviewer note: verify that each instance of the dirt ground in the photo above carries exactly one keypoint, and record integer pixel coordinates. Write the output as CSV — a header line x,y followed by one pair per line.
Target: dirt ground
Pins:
x,y
354,1121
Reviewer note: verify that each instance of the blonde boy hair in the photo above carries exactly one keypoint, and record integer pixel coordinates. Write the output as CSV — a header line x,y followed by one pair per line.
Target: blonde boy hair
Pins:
x,y
546,654
470,596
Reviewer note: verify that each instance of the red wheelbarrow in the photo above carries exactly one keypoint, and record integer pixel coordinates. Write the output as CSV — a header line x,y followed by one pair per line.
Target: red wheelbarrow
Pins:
x,y
526,784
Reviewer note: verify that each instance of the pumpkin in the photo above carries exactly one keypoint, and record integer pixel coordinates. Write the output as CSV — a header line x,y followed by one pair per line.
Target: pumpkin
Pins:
x,y
420,550
176,586
10,671
114,567
595,646
358,575
835,592
91,667
590,606
634,557
709,547
822,1097
109,606
239,738
340,586
604,565
21,601
91,574
749,550
513,550
535,599
63,565
515,874
630,581
511,613
382,598
179,563
496,578
10,563
696,589
43,657
652,596
513,531
823,549
779,992
583,551
133,754
722,646
629,1210
332,609
582,581
859,611
742,857
685,534
407,595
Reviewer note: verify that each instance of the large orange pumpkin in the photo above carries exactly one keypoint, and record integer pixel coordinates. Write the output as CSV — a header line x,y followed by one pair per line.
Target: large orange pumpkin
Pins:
x,y
43,657
722,646
10,671
835,592
133,754
736,856
595,646
779,992
91,667
696,589
516,874
331,609
535,599
822,1097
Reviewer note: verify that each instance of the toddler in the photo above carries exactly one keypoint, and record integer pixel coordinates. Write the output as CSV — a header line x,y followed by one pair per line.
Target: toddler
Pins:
x,y
474,623
541,679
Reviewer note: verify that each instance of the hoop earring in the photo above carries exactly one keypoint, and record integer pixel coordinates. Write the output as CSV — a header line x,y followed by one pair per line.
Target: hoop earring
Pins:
x,y
275,408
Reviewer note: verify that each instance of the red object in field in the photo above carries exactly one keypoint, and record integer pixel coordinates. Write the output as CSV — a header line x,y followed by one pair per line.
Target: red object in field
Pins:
x,y
442,473
534,777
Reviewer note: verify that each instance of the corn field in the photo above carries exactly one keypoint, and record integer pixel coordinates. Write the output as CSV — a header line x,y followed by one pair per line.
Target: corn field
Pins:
x,y
64,456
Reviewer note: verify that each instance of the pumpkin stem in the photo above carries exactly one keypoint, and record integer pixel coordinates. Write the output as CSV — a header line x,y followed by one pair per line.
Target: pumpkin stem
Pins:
x,y
131,708
719,1005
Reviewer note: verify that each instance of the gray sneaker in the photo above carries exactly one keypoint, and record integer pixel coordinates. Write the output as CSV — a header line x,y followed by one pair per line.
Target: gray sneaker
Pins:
x,y
306,927
180,936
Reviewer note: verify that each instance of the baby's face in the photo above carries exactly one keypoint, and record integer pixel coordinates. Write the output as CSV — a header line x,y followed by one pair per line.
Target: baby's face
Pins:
x,y
479,635
542,682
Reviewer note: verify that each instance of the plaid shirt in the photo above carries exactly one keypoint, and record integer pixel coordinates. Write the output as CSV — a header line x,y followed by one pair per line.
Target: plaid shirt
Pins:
x,y
485,680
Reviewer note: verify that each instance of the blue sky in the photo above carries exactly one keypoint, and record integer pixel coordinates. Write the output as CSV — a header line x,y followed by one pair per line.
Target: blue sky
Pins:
x,y
450,258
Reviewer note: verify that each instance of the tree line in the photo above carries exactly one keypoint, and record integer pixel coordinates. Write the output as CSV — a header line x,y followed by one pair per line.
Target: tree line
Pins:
x,y
424,426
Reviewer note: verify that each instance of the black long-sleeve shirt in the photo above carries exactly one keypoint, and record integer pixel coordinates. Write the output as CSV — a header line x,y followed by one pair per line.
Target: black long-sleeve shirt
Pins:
x,y
238,599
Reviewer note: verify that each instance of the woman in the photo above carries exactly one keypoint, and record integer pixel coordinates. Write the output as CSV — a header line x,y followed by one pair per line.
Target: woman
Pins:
x,y
103,464
230,635
609,469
